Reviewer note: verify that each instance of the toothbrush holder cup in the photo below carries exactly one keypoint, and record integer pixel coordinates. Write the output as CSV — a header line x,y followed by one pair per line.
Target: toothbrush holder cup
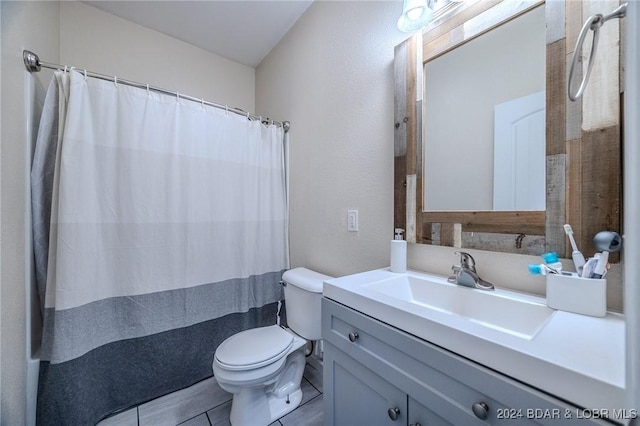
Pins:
x,y
586,296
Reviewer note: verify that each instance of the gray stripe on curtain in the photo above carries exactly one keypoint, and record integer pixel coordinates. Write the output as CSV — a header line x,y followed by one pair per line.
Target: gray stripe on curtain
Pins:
x,y
127,373
66,332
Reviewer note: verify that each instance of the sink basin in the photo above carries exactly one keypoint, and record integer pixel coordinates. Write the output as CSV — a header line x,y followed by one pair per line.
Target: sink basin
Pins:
x,y
501,310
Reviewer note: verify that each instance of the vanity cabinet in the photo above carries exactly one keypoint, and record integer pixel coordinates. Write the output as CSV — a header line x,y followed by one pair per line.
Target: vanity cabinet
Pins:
x,y
375,374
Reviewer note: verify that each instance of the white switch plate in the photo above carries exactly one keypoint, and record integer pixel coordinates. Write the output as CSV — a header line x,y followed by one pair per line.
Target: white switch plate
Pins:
x,y
352,220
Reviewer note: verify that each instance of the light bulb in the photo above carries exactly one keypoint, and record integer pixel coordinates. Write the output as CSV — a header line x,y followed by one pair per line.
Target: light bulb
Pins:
x,y
415,14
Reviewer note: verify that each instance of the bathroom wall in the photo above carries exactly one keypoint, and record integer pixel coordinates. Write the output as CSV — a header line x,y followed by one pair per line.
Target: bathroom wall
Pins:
x,y
32,25
332,77
104,43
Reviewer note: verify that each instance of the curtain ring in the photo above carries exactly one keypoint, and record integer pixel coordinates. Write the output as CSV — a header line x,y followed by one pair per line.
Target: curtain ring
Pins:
x,y
85,74
65,68
593,23
226,109
115,81
148,92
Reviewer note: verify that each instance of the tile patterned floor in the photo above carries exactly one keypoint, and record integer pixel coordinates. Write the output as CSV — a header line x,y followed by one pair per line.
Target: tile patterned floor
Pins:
x,y
206,404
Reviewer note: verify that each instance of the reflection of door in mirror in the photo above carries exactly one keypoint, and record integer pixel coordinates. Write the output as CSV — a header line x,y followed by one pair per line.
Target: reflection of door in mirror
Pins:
x,y
462,88
519,179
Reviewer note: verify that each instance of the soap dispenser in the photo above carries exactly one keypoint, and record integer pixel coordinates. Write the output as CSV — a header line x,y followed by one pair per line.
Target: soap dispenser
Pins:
x,y
398,252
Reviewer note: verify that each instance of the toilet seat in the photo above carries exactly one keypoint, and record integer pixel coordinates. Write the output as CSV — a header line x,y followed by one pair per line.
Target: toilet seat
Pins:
x,y
254,348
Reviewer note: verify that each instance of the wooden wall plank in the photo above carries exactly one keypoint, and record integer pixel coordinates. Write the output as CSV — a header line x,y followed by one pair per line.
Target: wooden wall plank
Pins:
x,y
510,243
522,222
556,90
601,184
410,221
399,99
400,136
556,203
574,192
451,234
574,22
573,108
399,192
410,119
555,17
601,104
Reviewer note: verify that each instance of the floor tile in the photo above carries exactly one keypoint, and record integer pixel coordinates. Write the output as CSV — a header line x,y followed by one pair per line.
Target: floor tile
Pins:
x,y
193,406
126,418
313,373
182,405
219,416
309,414
201,420
315,362
308,391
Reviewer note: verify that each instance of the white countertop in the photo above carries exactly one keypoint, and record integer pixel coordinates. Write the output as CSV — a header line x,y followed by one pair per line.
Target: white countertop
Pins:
x,y
578,358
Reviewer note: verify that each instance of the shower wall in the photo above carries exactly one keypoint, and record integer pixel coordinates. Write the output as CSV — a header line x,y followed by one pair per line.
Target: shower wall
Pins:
x,y
33,25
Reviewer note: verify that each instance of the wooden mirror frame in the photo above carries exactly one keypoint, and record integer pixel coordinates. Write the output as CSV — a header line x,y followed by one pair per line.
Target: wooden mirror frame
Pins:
x,y
583,138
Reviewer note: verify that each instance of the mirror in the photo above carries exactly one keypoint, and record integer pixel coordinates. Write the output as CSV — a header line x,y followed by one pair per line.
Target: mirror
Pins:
x,y
582,140
484,109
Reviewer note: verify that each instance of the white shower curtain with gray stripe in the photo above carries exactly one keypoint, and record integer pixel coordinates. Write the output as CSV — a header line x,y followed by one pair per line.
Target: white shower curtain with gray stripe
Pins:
x,y
168,233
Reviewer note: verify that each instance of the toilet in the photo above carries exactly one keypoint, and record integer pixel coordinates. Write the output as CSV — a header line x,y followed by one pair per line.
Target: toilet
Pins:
x,y
262,367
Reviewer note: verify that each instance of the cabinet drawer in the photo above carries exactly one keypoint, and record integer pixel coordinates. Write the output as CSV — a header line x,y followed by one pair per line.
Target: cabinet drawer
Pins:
x,y
448,384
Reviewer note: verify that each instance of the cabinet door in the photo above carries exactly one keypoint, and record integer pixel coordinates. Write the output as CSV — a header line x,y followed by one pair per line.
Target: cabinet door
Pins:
x,y
419,415
355,395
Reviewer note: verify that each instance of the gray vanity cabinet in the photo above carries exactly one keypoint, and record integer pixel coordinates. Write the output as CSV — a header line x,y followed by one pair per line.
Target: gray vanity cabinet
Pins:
x,y
361,397
375,374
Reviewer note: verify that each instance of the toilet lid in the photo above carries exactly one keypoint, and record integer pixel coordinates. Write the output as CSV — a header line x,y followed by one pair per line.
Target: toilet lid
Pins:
x,y
254,348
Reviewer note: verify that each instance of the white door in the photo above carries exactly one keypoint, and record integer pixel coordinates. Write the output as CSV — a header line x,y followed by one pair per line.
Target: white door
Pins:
x,y
519,178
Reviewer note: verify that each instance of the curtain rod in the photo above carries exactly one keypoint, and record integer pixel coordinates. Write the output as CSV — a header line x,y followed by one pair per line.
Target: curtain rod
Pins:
x,y
34,64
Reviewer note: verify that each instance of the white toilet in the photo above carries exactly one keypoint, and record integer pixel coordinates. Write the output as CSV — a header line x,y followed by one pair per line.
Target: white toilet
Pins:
x,y
262,367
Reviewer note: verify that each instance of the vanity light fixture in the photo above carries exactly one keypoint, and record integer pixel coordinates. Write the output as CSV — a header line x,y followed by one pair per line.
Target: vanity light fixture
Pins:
x,y
415,15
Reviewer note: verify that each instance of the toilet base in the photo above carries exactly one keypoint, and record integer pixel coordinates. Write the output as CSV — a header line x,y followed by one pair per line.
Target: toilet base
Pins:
x,y
249,407
280,407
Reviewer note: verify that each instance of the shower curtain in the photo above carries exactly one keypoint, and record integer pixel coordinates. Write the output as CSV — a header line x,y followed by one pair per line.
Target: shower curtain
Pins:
x,y
167,226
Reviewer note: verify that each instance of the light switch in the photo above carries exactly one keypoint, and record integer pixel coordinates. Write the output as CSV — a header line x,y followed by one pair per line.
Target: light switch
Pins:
x,y
352,220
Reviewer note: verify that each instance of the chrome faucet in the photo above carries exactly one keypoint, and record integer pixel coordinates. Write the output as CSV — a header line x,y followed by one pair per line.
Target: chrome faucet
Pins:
x,y
465,273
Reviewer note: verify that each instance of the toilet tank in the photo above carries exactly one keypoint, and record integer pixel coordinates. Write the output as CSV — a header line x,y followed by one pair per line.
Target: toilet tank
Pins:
x,y
303,296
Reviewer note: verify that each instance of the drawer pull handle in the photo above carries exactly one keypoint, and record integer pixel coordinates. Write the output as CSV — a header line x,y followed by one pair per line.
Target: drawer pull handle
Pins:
x,y
415,424
481,410
353,336
393,413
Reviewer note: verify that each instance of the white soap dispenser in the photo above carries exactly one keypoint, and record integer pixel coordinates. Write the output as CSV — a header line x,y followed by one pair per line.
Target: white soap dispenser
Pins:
x,y
398,252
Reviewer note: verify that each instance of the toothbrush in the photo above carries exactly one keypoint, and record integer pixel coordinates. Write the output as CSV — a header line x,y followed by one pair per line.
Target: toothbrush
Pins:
x,y
578,257
541,269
